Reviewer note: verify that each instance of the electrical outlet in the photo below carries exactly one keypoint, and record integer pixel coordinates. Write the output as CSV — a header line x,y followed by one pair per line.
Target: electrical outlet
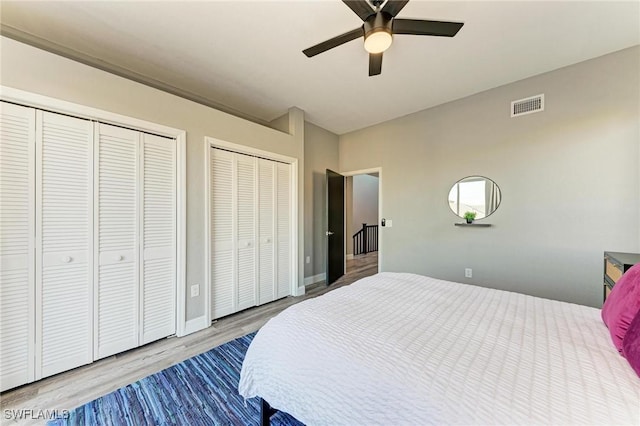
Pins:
x,y
468,272
389,223
195,290
308,260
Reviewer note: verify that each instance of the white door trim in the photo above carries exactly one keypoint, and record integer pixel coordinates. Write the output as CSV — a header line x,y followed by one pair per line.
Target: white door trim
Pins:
x,y
209,143
10,94
377,170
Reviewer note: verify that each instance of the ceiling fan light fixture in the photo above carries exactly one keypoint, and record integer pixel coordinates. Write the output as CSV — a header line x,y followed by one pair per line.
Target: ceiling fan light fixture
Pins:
x,y
379,25
378,41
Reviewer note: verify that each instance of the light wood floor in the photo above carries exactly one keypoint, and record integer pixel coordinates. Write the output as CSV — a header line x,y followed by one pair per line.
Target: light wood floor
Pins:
x,y
81,385
362,265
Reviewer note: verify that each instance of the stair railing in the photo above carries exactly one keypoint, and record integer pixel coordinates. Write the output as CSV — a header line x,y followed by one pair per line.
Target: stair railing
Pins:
x,y
366,239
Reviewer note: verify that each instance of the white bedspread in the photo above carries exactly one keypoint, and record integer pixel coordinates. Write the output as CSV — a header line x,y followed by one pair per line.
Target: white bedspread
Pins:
x,y
403,349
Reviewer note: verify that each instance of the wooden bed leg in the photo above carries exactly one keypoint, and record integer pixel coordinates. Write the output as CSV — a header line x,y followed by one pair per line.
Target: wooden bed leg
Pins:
x,y
265,413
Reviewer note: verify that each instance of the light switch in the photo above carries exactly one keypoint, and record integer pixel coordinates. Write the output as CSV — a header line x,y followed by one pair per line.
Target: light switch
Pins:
x,y
389,223
195,290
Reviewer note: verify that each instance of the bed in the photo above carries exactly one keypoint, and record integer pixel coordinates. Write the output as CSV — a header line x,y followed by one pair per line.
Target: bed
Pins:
x,y
404,349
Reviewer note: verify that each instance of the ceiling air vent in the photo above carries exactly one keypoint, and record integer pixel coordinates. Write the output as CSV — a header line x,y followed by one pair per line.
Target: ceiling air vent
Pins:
x,y
527,105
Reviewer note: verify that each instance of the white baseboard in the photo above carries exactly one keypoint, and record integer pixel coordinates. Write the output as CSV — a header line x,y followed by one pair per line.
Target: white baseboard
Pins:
x,y
194,325
314,279
349,256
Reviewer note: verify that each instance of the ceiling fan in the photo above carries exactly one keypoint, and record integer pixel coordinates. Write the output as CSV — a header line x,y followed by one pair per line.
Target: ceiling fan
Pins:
x,y
380,24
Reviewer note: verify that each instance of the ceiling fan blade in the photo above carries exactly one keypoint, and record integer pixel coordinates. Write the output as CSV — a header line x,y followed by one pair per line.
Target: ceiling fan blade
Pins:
x,y
360,7
375,63
393,7
334,42
430,28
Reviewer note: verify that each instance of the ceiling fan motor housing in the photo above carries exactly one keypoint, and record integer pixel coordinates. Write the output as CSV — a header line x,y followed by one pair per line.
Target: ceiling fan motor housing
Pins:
x,y
380,21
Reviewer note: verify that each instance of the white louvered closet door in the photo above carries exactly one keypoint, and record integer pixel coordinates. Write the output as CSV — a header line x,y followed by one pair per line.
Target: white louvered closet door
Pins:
x,y
116,182
223,222
250,231
158,274
246,232
266,231
283,228
64,235
17,232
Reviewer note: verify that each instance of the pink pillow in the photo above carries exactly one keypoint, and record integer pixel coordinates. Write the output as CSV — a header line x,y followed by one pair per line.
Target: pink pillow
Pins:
x,y
631,344
622,305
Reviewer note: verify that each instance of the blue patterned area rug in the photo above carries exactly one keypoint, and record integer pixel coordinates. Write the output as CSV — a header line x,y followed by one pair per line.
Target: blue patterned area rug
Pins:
x,y
199,391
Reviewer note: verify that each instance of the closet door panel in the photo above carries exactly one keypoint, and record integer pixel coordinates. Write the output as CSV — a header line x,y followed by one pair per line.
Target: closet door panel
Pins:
x,y
17,250
250,231
117,301
65,234
283,229
158,275
223,222
266,228
246,263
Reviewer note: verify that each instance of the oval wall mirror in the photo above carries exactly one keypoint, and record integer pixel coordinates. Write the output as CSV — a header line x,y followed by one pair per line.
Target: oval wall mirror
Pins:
x,y
476,194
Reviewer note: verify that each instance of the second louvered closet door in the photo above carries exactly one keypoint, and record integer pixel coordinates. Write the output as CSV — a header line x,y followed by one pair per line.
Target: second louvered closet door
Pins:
x,y
158,227
250,236
246,232
223,225
283,230
136,239
64,256
266,231
117,302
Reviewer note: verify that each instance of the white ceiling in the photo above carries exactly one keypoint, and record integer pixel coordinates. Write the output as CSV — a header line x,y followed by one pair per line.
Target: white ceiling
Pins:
x,y
247,55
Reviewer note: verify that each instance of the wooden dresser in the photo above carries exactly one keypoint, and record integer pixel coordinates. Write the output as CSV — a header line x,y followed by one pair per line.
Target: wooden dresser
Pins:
x,y
616,264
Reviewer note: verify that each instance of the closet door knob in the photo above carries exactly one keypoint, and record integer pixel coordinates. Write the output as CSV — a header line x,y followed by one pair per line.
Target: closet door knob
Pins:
x,y
119,258
67,259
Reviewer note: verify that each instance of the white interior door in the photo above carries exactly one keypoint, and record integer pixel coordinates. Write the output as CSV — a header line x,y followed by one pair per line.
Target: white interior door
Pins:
x,y
64,235
266,231
117,302
17,249
283,229
246,231
158,274
250,231
74,192
223,223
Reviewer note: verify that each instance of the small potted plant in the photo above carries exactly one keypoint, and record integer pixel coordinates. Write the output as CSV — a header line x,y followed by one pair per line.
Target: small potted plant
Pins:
x,y
469,216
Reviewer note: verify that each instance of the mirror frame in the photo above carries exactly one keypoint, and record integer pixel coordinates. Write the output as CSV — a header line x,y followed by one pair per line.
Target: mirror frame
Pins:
x,y
474,176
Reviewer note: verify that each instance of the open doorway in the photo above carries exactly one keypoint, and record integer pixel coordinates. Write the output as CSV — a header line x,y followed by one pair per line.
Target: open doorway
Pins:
x,y
362,236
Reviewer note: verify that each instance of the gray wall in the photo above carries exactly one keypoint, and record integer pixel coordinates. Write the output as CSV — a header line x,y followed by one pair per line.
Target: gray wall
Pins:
x,y
321,153
572,169
569,178
364,205
30,69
